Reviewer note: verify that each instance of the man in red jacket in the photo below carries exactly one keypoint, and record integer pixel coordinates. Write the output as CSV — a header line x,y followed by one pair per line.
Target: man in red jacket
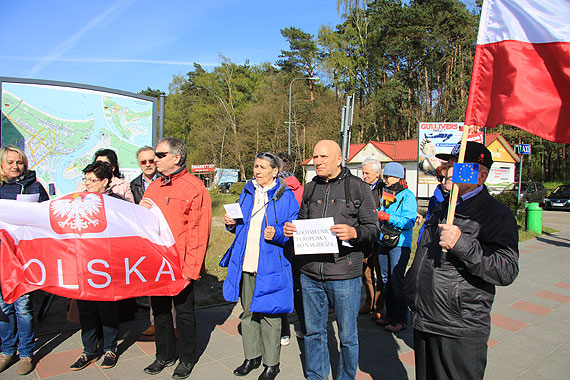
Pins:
x,y
187,207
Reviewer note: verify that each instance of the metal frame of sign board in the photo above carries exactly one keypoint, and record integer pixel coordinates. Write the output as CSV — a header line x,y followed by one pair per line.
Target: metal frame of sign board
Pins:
x,y
80,86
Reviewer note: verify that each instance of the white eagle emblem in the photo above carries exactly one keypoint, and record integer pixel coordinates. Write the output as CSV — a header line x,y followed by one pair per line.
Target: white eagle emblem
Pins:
x,y
77,213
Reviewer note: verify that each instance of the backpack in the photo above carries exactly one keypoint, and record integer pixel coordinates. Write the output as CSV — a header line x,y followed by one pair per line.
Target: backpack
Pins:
x,y
351,193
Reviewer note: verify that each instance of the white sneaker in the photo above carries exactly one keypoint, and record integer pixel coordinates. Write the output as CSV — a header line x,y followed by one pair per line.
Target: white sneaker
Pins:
x,y
285,340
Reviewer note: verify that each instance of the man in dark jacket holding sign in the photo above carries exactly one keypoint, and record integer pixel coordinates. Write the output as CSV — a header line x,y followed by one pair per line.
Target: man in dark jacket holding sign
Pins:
x,y
451,293
334,277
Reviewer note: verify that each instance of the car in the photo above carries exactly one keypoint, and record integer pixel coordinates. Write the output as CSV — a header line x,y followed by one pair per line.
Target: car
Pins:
x,y
530,191
559,199
224,187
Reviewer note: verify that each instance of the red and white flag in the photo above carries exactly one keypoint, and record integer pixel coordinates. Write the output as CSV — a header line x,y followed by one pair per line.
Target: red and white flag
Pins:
x,y
87,246
521,73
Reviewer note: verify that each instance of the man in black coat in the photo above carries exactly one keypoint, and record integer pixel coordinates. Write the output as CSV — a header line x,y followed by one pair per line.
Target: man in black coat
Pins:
x,y
334,278
147,163
450,286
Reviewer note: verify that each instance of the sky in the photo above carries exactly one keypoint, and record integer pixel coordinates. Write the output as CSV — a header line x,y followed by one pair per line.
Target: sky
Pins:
x,y
134,44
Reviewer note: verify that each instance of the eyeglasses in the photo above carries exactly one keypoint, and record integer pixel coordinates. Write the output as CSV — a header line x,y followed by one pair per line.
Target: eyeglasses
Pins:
x,y
385,176
143,162
91,180
161,154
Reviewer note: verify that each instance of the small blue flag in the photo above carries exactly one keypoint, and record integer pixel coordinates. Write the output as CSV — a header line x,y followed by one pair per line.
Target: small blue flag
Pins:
x,y
465,173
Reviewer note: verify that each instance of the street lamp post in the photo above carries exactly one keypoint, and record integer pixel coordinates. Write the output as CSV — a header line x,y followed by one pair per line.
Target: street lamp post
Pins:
x,y
290,87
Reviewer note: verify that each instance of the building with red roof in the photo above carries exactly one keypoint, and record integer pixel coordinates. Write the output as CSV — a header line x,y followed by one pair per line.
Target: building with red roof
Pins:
x,y
406,153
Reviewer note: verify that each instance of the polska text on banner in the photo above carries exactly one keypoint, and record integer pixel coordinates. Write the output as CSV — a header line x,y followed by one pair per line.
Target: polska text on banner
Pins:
x,y
87,246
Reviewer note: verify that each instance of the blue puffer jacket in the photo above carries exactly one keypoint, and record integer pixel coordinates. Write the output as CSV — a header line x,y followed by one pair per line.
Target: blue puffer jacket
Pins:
x,y
26,184
437,197
402,216
273,291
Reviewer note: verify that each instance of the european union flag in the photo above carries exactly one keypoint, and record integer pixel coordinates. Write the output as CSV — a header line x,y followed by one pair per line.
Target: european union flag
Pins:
x,y
465,173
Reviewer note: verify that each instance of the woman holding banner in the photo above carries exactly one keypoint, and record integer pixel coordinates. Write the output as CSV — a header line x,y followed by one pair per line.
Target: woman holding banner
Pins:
x,y
17,319
258,272
98,316
117,185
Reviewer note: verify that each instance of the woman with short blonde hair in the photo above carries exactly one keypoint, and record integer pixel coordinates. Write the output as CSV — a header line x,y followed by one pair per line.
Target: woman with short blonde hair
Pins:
x,y
17,321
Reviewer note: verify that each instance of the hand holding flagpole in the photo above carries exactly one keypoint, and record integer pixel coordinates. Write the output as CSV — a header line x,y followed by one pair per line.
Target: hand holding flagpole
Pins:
x,y
455,189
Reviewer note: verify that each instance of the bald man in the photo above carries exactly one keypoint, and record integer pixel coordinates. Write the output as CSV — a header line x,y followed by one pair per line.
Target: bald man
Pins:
x,y
334,277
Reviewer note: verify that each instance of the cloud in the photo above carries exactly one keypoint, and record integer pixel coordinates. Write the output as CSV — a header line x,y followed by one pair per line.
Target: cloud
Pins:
x,y
112,60
109,13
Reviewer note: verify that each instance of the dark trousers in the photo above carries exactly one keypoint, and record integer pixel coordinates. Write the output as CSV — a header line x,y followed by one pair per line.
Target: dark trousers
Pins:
x,y
393,262
185,325
96,317
442,358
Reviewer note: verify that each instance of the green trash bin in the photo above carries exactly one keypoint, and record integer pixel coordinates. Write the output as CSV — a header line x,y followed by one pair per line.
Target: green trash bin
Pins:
x,y
534,218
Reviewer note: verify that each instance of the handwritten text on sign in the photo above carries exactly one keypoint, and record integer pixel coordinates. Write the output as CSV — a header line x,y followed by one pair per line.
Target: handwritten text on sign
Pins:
x,y
314,236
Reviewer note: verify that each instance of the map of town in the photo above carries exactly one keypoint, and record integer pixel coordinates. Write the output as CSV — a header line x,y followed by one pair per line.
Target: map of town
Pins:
x,y
60,128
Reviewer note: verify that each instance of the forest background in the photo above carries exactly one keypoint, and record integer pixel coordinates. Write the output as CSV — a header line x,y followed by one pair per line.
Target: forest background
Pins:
x,y
405,62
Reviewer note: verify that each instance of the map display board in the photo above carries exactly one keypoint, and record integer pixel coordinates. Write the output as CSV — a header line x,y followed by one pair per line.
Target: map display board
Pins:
x,y
61,125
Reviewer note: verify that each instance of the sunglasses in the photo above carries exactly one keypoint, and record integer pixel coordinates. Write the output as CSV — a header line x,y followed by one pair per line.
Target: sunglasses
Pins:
x,y
161,154
91,180
143,162
265,154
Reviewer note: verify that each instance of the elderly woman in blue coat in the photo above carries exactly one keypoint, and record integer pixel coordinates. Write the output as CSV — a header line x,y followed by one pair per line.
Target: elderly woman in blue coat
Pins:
x,y
398,211
258,271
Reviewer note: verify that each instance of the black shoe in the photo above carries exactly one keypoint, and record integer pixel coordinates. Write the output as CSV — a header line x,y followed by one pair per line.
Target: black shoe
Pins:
x,y
157,366
247,366
109,360
83,361
183,370
269,372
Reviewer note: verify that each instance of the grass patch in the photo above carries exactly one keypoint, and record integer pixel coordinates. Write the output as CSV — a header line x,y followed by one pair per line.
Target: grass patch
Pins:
x,y
553,185
209,288
527,235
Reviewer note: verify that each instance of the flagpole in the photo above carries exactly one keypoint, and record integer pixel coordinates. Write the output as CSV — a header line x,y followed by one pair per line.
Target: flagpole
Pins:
x,y
455,188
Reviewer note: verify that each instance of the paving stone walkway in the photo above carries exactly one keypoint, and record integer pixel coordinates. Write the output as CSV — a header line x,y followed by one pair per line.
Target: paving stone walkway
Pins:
x,y
530,336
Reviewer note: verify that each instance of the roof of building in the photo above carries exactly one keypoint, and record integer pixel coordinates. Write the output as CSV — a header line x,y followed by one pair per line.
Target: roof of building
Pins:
x,y
407,150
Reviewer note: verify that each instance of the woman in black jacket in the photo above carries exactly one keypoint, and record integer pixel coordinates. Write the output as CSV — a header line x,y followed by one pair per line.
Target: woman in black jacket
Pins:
x,y
17,319
98,317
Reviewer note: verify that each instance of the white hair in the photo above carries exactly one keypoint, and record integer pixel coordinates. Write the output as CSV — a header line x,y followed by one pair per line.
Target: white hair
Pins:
x,y
374,163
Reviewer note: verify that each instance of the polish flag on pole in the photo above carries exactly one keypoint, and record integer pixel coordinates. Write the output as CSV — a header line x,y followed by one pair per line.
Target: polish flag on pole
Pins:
x,y
87,246
521,73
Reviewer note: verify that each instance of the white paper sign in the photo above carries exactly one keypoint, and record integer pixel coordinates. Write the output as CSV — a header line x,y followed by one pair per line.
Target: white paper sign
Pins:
x,y
28,197
234,211
314,236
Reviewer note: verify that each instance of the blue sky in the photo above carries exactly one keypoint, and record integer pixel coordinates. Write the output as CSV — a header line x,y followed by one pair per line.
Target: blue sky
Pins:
x,y
133,44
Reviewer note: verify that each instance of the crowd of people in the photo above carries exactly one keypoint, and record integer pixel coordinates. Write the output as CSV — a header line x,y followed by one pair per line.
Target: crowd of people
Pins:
x,y
448,289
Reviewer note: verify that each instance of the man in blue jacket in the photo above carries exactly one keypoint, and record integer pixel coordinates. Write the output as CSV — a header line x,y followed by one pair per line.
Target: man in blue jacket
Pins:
x,y
334,277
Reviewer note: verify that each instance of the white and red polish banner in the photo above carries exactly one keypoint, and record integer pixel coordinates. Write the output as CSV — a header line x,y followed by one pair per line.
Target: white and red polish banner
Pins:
x,y
521,73
87,246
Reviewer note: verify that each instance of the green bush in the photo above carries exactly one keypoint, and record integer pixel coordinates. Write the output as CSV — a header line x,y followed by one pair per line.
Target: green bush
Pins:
x,y
510,199
237,188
